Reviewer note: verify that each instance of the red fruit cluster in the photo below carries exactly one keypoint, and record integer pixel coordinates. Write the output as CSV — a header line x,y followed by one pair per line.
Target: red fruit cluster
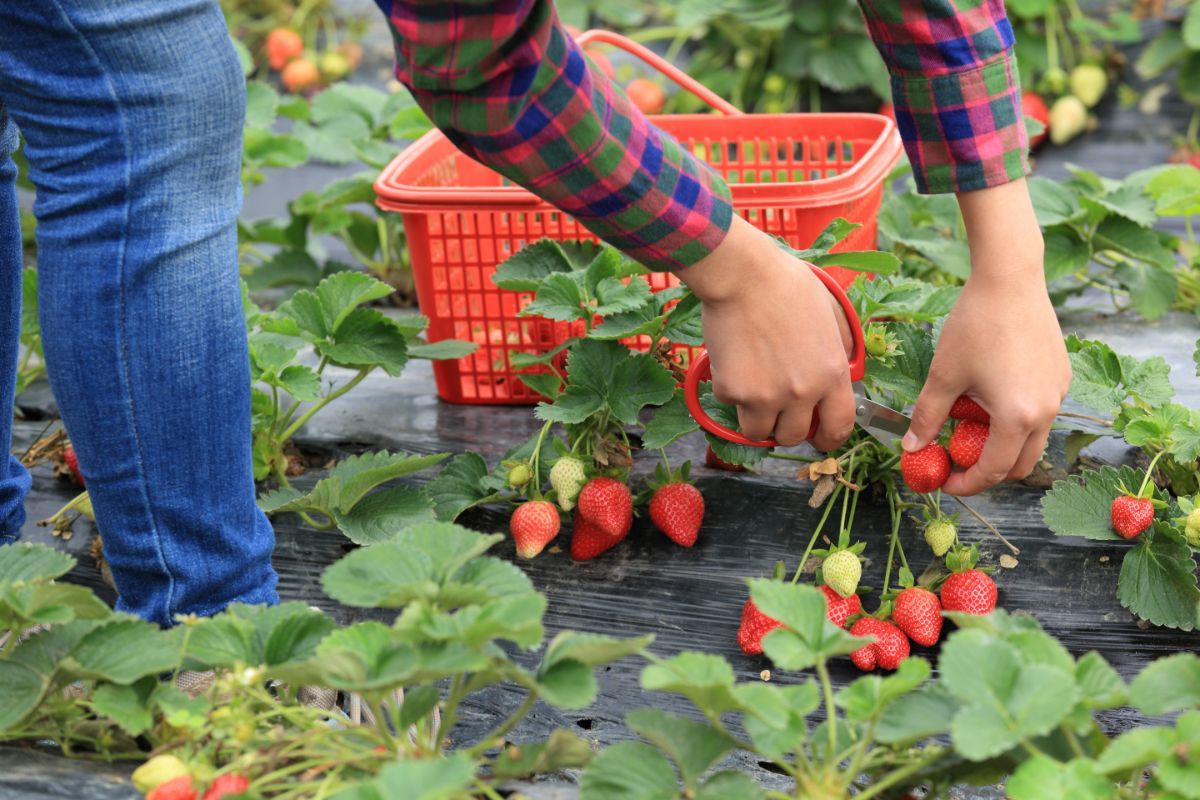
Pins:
x,y
927,469
226,786
886,652
603,517
755,624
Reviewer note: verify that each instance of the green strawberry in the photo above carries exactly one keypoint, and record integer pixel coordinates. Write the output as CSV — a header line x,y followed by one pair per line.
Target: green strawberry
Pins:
x,y
939,535
1191,528
568,476
841,571
519,475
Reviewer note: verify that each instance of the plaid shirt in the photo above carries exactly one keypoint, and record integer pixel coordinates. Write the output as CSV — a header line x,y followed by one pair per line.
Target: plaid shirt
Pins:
x,y
511,89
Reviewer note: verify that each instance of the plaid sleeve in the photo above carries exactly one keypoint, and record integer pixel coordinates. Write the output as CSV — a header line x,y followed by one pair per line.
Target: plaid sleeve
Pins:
x,y
511,89
955,90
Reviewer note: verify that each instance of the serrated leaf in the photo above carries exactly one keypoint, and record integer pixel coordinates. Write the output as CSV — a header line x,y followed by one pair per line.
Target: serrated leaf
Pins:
x,y
903,375
261,146
261,100
1132,240
1053,201
872,261
1097,377
25,561
1099,684
809,636
125,650
442,778
21,691
628,771
1158,580
1043,778
445,350
730,785
871,695
1151,287
381,515
693,746
332,141
730,452
127,706
1147,380
1130,202
459,486
301,382
1168,684
705,679
341,99
567,684
1066,252
614,296
605,375
926,712
1081,505
559,297
684,322
525,270
670,421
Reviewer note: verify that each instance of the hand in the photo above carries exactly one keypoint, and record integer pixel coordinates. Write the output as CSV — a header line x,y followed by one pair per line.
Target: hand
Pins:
x,y
777,340
1001,345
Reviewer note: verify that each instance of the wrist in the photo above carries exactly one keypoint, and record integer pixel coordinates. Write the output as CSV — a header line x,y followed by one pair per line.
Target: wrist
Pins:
x,y
745,259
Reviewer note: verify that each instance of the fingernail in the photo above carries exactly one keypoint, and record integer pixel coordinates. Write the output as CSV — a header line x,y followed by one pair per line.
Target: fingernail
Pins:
x,y
909,442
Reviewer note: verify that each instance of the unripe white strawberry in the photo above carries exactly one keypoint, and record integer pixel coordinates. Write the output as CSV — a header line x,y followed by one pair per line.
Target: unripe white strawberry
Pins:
x,y
567,476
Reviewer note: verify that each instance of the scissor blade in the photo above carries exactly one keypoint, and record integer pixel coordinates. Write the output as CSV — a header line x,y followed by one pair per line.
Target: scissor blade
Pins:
x,y
885,424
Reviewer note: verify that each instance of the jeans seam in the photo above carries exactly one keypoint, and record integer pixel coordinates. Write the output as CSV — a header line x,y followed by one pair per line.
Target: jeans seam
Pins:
x,y
122,262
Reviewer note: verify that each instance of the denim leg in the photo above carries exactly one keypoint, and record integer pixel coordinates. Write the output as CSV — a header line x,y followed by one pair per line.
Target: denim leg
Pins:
x,y
132,113
14,478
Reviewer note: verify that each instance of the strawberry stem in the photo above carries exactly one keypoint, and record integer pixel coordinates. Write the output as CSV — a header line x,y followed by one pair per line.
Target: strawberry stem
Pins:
x,y
1141,493
813,541
666,461
535,476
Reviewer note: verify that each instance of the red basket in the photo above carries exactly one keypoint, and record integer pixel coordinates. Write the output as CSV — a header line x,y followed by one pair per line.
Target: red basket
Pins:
x,y
789,174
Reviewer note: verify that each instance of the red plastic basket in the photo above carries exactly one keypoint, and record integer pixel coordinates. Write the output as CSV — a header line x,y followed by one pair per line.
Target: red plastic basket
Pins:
x,y
789,174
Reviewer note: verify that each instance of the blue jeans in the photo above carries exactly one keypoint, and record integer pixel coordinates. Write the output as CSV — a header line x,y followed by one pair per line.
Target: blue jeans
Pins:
x,y
132,116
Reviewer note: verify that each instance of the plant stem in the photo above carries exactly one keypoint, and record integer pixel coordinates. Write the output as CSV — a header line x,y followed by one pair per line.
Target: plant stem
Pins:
x,y
489,741
899,775
830,711
324,401
1015,550
1193,129
893,495
1108,423
817,532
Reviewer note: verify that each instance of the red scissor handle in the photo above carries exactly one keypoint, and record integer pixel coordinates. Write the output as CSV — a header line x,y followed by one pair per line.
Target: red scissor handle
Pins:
x,y
701,371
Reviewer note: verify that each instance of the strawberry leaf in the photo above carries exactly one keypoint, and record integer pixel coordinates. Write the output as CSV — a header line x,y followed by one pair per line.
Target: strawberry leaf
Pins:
x,y
641,321
445,350
560,297
605,376
614,296
693,746
366,338
383,514
629,771
670,421
1041,778
1158,580
683,321
703,678
808,636
28,562
1168,684
127,706
1097,375
903,375
1081,505
459,486
525,270
561,750
861,260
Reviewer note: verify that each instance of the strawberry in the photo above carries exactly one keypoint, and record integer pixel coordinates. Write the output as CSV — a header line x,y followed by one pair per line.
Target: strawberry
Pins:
x,y
713,461
175,789
534,525
841,571
1032,105
607,504
299,75
918,613
519,475
1191,528
971,592
926,469
589,541
678,509
1068,119
967,441
887,651
1088,83
647,95
755,625
226,786
567,476
72,462
283,45
158,770
966,408
1131,515
940,535
333,66
839,609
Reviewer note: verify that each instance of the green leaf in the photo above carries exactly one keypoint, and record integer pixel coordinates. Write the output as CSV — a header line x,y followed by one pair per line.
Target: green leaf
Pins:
x,y
918,715
51,603
561,750
1096,377
1177,190
443,778
693,746
301,382
1164,51
127,649
381,515
1151,287
383,577
871,261
1167,684
684,321
127,706
1066,252
261,100
1100,684
332,142
273,149
180,710
809,636
606,375
642,321
1043,778
743,455
1130,202
1158,580
525,270
628,771
445,350
459,486
559,297
871,695
1004,700
593,650
706,680
729,785
567,684
670,422
1081,505
28,562
1053,201
359,474
1191,28
1135,749
904,374
1148,381
342,99
614,296
21,691
343,292
1132,240
367,338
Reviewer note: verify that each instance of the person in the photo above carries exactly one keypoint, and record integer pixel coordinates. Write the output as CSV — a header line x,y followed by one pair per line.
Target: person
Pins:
x,y
132,115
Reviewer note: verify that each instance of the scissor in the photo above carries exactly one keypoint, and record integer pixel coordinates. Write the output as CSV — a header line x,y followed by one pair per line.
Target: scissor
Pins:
x,y
884,423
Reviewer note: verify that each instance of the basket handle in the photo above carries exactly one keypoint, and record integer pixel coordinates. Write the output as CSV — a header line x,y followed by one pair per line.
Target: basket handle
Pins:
x,y
657,62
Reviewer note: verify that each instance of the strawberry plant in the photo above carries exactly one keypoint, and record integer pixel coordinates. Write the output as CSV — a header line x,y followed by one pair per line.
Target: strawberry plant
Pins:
x,y
331,326
275,35
1174,56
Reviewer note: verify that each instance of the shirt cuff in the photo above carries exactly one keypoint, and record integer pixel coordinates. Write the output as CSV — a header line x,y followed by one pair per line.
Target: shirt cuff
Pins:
x,y
963,130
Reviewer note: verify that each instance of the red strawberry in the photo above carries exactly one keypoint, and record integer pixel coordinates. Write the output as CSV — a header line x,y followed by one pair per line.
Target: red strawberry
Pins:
x,y
755,625
1032,105
534,525
176,789
607,504
967,441
72,462
677,509
839,608
226,786
966,408
588,541
1131,515
918,613
713,461
887,651
927,469
1194,160
971,592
